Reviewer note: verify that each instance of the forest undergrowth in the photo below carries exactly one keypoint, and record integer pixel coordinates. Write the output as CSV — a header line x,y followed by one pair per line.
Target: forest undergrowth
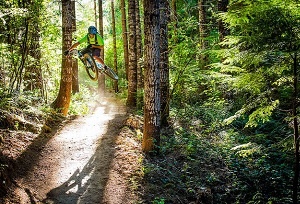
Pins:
x,y
200,160
23,119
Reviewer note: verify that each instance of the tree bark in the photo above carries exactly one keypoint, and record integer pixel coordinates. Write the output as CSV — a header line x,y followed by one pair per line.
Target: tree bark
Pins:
x,y
75,83
17,77
95,12
202,23
116,88
101,79
33,79
124,36
62,102
151,133
132,66
203,32
140,74
296,132
164,62
222,7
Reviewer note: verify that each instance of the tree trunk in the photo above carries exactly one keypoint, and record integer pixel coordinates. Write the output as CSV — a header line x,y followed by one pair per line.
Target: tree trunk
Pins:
x,y
17,76
139,56
202,23
101,79
151,133
164,62
62,102
222,7
33,79
116,88
203,32
75,83
95,12
2,76
132,69
124,36
296,132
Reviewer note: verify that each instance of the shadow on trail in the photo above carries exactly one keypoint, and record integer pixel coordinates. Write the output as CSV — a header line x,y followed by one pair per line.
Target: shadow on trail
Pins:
x,y
88,185
28,159
24,164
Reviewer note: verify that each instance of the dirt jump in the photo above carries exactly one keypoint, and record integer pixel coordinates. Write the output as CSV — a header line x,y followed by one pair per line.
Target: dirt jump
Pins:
x,y
89,160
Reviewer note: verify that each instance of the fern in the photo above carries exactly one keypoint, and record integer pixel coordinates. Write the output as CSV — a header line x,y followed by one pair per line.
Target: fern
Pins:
x,y
261,114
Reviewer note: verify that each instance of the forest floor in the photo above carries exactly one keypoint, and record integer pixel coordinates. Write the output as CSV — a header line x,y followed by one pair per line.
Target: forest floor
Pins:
x,y
81,159
96,158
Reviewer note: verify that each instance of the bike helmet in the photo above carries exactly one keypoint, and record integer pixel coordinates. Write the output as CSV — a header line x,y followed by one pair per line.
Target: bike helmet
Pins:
x,y
92,30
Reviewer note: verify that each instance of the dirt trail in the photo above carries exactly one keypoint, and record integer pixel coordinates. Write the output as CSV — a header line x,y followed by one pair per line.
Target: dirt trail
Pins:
x,y
83,163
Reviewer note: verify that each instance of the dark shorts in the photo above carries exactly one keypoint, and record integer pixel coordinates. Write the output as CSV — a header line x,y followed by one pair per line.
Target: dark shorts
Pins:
x,y
95,51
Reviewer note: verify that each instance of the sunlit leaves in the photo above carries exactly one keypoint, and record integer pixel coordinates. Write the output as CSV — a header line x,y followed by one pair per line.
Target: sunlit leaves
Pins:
x,y
259,111
246,150
273,24
237,115
231,69
264,36
12,12
262,114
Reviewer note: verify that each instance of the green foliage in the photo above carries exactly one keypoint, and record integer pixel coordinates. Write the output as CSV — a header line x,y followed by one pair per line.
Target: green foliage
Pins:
x,y
251,19
109,59
80,102
230,142
159,201
256,166
239,167
257,58
6,98
262,114
10,101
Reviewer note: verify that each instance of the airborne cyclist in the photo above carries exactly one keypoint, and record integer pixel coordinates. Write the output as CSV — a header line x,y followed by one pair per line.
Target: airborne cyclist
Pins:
x,y
95,44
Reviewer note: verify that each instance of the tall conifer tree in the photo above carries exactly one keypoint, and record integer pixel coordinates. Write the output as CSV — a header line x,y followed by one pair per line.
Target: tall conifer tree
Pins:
x,y
62,102
132,66
152,108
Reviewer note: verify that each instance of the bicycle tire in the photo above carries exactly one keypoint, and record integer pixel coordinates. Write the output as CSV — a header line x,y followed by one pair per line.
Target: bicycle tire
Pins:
x,y
110,73
90,66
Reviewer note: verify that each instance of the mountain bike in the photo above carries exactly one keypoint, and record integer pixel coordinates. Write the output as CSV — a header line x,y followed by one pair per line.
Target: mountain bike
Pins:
x,y
92,66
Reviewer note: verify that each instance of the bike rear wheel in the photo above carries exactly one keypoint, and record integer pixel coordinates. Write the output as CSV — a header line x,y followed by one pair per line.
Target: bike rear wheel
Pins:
x,y
90,66
110,73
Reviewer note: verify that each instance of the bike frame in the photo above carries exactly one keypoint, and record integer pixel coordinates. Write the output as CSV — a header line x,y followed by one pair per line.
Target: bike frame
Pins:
x,y
108,71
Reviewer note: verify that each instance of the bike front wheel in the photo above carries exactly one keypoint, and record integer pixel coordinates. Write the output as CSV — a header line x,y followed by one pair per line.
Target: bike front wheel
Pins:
x,y
90,66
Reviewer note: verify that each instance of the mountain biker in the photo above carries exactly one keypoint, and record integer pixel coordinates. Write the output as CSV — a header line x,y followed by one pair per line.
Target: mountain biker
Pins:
x,y
95,44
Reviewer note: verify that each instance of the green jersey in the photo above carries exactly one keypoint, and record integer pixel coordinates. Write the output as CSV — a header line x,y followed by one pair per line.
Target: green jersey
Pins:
x,y
97,40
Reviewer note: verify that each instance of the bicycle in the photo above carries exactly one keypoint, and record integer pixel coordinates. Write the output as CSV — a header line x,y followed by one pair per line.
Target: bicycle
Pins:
x,y
92,67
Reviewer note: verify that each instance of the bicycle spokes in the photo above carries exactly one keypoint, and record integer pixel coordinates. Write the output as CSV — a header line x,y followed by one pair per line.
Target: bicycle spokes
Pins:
x,y
90,65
